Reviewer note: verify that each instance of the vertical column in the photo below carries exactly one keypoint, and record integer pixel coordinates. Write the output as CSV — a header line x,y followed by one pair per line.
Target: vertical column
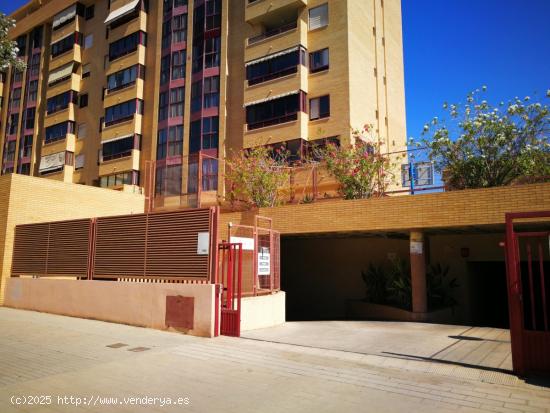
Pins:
x,y
418,274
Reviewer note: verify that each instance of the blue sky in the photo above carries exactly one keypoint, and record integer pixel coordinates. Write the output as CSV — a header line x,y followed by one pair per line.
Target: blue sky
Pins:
x,y
454,46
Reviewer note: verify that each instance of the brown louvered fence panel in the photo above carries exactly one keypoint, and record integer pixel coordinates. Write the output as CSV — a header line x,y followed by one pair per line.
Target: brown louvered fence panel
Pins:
x,y
172,244
68,248
120,246
53,248
30,249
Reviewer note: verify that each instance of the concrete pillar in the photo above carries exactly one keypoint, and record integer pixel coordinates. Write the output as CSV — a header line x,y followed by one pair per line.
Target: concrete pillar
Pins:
x,y
418,273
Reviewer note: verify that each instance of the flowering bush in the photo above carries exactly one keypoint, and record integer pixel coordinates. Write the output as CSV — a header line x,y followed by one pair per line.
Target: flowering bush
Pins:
x,y
8,48
256,176
361,169
489,146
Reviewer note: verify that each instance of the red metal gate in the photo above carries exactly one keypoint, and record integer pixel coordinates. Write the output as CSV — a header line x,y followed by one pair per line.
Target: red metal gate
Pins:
x,y
527,268
230,277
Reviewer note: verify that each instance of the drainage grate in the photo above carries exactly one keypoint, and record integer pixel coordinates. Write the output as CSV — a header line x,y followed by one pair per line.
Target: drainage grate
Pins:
x,y
138,349
117,345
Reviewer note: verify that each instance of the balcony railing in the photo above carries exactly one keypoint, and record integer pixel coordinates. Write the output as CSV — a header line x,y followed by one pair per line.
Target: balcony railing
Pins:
x,y
272,32
272,121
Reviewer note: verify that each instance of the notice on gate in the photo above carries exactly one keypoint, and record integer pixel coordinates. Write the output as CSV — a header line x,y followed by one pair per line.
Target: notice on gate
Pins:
x,y
264,262
247,243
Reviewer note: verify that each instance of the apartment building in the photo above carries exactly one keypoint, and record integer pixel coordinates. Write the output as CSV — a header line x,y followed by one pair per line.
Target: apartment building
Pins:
x,y
112,85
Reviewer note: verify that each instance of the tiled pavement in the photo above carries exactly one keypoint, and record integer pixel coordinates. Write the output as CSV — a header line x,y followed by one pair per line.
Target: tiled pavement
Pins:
x,y
48,355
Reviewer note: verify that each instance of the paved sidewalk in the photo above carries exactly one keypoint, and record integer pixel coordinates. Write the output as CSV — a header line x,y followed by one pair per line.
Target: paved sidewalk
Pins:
x,y
484,347
49,355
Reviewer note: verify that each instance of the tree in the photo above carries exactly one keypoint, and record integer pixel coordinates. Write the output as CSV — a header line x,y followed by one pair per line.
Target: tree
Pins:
x,y
485,145
361,169
256,176
8,48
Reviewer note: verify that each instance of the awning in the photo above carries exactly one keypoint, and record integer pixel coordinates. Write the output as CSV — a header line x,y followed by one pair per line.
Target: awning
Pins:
x,y
282,95
60,73
271,56
65,15
118,138
121,11
53,161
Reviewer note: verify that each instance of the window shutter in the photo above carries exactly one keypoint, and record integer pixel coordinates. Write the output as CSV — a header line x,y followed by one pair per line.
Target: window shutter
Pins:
x,y
318,17
314,108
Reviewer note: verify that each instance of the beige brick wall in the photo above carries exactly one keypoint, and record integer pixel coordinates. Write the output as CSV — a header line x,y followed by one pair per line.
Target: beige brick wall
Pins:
x,y
25,199
474,207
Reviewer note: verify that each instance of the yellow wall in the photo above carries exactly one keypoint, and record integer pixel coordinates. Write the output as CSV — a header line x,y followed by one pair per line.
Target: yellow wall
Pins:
x,y
25,199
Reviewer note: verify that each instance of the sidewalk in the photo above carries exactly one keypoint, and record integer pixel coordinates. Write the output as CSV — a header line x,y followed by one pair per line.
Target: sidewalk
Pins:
x,y
48,355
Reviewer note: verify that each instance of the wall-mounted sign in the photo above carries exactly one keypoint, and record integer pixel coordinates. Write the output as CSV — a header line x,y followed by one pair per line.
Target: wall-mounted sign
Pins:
x,y
203,243
248,243
264,262
417,247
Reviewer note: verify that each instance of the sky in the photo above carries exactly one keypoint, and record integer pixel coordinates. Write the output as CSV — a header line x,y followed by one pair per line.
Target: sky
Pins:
x,y
452,47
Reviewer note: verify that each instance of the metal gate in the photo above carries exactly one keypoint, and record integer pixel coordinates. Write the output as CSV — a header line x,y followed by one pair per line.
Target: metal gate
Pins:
x,y
527,268
230,278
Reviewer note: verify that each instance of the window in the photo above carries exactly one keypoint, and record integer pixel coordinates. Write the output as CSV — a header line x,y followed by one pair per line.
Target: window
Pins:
x,y
198,55
59,131
61,101
126,45
85,71
119,179
24,168
17,76
179,3
34,67
166,34
122,112
209,174
196,96
124,78
33,90
83,102
36,38
117,149
82,131
9,156
273,68
168,180
163,106
175,140
211,92
21,45
88,41
164,70
210,132
65,44
179,28
318,61
212,52
79,161
16,97
319,107
213,14
178,64
273,112
161,144
25,146
29,118
89,13
12,125
177,97
318,17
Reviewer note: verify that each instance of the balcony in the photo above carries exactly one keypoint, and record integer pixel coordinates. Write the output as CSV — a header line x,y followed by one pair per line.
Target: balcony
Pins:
x,y
137,24
277,39
127,60
76,25
256,10
276,130
297,80
60,116
123,127
74,54
124,93
66,144
64,85
127,163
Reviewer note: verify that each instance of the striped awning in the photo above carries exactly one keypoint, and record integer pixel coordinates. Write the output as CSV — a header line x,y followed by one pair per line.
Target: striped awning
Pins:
x,y
122,11
60,73
272,56
117,138
282,95
63,16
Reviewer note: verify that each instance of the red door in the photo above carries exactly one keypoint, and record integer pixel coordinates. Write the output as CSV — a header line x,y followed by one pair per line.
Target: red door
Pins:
x,y
527,271
230,255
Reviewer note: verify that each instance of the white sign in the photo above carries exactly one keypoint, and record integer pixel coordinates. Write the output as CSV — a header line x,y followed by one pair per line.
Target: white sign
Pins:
x,y
203,243
264,262
248,243
416,247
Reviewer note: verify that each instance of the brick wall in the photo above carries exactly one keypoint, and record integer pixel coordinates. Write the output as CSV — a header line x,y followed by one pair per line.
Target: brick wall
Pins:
x,y
25,200
475,207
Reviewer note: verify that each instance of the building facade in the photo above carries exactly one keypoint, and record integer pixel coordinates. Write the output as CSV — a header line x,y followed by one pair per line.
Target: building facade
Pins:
x,y
111,85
